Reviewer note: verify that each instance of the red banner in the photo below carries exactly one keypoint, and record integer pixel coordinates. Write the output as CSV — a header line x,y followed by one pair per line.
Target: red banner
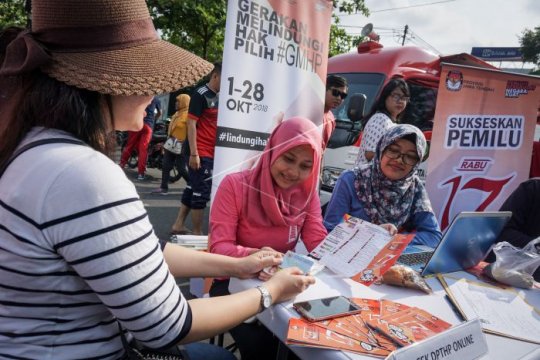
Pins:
x,y
482,140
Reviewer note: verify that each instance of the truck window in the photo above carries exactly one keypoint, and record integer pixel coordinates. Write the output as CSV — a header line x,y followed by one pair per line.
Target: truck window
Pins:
x,y
421,110
368,84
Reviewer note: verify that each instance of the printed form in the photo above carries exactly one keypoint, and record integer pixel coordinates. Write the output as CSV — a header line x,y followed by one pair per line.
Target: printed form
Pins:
x,y
501,311
351,246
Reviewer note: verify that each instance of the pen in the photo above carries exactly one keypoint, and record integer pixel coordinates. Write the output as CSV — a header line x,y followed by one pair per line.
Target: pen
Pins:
x,y
454,308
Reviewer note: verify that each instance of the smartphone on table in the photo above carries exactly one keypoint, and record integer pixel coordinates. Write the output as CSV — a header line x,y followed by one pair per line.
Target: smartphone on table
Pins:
x,y
326,308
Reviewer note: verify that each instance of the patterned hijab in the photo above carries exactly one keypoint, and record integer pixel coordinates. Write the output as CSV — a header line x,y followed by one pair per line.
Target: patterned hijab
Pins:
x,y
392,201
267,202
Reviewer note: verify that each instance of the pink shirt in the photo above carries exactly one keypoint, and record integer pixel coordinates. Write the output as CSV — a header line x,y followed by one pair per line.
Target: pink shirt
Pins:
x,y
234,235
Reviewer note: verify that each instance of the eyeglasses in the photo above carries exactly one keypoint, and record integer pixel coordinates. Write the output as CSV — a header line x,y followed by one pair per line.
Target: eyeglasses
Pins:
x,y
399,98
336,92
395,154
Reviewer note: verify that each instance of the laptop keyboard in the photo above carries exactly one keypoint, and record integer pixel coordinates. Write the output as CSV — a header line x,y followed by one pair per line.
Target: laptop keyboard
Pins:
x,y
415,258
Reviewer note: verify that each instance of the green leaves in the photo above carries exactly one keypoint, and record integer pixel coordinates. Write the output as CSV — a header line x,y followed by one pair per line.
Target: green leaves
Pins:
x,y
197,26
340,41
12,13
530,45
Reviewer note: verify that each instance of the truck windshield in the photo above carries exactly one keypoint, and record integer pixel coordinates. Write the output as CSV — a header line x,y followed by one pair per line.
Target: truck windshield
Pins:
x,y
421,110
368,84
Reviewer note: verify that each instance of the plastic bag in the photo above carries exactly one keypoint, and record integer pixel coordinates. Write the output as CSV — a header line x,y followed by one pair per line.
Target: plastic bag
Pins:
x,y
515,266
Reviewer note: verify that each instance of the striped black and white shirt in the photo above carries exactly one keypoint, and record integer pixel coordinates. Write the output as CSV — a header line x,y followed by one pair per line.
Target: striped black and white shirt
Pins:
x,y
77,252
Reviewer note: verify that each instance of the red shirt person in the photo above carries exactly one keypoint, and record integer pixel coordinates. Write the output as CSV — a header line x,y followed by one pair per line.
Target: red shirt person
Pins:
x,y
336,92
139,140
202,129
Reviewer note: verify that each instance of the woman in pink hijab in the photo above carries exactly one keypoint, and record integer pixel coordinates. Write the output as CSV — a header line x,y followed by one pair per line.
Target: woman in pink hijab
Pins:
x,y
273,205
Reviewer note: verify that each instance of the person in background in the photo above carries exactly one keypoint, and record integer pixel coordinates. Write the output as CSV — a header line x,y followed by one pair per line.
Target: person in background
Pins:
x,y
202,129
81,264
177,129
336,92
272,205
387,191
524,225
140,139
386,112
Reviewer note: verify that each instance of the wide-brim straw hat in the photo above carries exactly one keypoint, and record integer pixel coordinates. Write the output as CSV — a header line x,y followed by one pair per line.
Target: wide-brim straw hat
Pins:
x,y
112,47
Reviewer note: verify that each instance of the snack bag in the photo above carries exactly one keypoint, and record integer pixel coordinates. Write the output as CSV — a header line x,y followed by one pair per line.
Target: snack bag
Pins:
x,y
401,275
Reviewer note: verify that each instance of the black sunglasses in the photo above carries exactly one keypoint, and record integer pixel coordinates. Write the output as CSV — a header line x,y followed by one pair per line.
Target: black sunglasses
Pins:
x,y
336,92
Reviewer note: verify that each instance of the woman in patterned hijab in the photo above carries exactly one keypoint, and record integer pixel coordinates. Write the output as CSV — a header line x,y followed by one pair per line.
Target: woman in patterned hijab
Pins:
x,y
388,191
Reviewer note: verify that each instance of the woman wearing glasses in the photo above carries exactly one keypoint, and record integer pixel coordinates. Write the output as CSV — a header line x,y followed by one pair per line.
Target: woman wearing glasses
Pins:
x,y
387,191
387,110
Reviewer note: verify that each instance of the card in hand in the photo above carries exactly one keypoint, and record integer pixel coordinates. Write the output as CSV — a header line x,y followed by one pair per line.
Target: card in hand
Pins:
x,y
293,259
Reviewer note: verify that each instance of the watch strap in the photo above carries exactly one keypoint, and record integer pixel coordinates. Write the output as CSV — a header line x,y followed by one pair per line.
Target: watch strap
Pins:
x,y
266,298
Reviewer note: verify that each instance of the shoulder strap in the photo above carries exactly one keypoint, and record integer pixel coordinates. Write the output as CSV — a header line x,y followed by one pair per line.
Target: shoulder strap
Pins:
x,y
33,145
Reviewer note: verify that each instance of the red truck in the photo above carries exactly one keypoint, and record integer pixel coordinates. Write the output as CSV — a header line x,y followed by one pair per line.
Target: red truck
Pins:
x,y
367,71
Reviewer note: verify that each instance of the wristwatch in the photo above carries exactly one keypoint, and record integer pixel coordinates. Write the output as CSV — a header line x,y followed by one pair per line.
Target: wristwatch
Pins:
x,y
266,298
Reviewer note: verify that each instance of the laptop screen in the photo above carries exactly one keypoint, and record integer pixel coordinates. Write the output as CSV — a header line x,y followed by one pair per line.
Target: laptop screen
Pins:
x,y
467,241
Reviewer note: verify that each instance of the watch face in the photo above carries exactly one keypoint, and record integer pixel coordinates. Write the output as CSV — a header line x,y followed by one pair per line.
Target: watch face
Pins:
x,y
266,298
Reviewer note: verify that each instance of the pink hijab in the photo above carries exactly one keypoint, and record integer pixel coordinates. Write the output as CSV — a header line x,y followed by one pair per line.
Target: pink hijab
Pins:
x,y
267,202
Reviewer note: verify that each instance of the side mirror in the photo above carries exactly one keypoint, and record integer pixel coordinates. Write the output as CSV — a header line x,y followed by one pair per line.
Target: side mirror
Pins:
x,y
356,108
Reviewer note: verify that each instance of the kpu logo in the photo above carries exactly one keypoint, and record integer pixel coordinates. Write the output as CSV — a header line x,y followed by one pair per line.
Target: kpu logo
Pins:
x,y
454,80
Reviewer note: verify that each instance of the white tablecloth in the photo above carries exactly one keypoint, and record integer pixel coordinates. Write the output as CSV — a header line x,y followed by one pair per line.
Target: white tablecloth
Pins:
x,y
276,318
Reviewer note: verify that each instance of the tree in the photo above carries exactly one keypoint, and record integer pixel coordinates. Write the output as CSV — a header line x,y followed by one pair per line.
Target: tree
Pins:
x,y
197,26
12,13
340,41
530,45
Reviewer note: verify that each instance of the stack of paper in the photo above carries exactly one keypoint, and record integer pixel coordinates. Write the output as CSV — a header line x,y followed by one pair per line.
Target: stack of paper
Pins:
x,y
378,330
197,242
360,250
348,333
408,326
502,311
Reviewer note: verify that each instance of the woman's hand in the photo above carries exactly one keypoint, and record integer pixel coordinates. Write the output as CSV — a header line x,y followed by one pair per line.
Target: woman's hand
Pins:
x,y
287,283
253,265
268,272
390,228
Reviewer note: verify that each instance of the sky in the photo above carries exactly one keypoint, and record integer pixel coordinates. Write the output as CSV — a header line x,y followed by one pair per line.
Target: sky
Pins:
x,y
449,26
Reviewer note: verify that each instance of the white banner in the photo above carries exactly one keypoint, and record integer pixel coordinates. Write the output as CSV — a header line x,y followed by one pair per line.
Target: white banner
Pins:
x,y
274,67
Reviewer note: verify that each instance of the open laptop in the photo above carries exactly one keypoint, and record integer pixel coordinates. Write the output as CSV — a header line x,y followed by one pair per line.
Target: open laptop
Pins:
x,y
464,244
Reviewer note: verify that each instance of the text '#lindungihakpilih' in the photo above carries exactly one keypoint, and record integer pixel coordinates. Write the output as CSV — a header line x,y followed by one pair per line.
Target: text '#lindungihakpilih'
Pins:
x,y
255,23
484,132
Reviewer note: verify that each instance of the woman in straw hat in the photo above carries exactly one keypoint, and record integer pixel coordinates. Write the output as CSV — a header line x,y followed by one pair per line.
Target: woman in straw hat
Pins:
x,y
78,254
